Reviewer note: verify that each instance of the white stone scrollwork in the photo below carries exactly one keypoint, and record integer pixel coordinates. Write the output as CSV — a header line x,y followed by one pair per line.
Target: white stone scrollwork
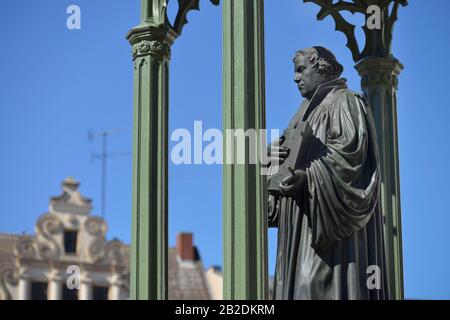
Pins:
x,y
48,227
27,247
116,253
96,228
8,280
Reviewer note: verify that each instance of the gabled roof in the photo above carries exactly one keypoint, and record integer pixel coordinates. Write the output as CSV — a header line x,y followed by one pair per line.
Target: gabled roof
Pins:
x,y
8,243
186,278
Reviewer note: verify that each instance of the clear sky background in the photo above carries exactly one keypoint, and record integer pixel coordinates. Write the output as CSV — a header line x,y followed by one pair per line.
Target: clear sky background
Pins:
x,y
56,84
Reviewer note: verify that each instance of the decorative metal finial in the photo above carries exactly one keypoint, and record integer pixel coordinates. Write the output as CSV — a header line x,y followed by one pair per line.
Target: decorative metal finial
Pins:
x,y
378,41
155,12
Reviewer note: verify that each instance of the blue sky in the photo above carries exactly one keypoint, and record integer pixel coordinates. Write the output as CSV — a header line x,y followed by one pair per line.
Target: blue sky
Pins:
x,y
56,84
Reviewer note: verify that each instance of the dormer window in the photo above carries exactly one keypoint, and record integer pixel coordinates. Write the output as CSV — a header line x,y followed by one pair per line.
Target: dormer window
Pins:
x,y
100,293
38,290
70,241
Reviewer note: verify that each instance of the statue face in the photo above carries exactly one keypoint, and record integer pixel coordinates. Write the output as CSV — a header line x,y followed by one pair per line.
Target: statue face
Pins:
x,y
306,77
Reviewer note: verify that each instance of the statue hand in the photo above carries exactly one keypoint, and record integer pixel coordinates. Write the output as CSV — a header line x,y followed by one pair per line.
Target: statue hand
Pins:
x,y
278,154
292,184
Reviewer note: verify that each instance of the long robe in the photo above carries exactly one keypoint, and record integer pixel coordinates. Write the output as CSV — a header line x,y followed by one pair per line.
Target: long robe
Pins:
x,y
331,232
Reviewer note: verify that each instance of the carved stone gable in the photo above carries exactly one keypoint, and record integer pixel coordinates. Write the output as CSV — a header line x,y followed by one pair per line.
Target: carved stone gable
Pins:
x,y
71,200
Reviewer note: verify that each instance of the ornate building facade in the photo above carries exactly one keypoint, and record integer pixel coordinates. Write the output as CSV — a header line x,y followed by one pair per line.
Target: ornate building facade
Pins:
x,y
69,258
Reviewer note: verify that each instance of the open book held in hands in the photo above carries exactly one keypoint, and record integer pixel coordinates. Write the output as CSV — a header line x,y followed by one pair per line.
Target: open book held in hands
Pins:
x,y
297,141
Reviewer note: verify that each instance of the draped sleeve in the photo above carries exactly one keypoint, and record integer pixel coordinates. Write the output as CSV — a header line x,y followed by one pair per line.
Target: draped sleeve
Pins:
x,y
273,208
343,180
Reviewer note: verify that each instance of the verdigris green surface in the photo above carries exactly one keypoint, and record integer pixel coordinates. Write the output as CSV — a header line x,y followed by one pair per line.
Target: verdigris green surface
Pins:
x,y
244,195
330,228
151,44
379,70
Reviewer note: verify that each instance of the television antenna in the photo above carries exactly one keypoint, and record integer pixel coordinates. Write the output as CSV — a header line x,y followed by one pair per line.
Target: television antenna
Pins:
x,y
103,156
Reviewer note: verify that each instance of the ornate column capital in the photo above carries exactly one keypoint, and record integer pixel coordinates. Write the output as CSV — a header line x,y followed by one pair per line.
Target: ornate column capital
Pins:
x,y
151,41
86,277
55,275
24,273
154,48
376,71
116,280
156,34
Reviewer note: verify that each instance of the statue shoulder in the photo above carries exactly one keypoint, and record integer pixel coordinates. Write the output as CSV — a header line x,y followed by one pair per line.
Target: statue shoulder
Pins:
x,y
347,93
349,102
347,96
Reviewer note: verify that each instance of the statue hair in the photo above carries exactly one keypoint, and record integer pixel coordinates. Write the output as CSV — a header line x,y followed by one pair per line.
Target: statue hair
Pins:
x,y
323,60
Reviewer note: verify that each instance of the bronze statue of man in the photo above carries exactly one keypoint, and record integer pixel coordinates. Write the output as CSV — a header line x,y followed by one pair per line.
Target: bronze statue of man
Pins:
x,y
330,235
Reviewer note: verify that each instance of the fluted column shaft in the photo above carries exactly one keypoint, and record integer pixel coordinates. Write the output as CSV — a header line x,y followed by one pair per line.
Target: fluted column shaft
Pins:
x,y
151,42
244,187
380,85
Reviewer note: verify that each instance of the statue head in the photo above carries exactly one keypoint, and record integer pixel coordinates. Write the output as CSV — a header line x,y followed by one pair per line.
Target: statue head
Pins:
x,y
313,67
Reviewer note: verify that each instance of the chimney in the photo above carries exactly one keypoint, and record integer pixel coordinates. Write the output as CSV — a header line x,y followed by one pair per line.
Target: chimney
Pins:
x,y
185,248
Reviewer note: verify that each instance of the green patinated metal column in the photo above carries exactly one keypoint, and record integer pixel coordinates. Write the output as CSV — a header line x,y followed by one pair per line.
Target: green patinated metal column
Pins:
x,y
151,52
379,70
244,200
151,41
379,84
